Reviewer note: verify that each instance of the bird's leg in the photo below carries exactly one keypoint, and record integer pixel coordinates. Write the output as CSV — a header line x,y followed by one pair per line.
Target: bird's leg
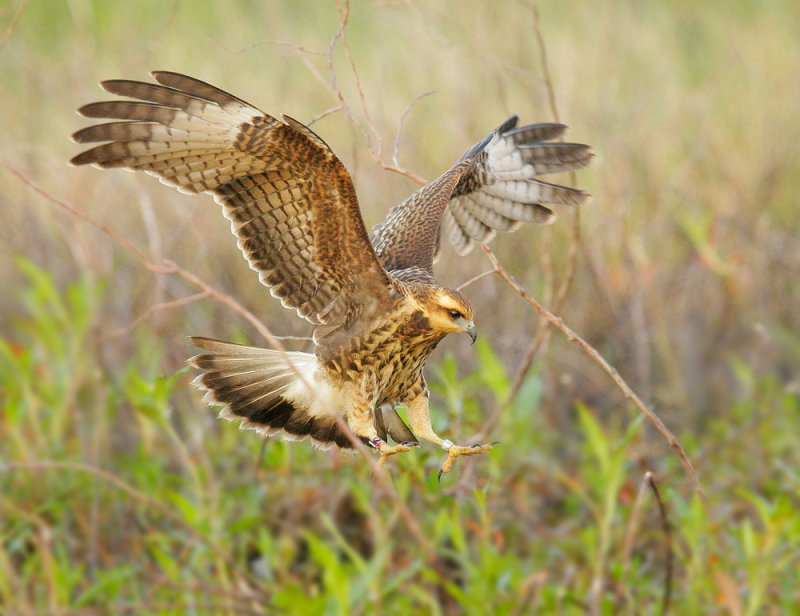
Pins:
x,y
361,420
419,416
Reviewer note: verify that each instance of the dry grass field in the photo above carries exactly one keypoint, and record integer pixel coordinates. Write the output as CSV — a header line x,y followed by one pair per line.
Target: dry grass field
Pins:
x,y
120,491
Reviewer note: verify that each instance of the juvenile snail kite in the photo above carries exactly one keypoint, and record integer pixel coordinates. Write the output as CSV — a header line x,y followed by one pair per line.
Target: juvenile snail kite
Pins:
x,y
377,308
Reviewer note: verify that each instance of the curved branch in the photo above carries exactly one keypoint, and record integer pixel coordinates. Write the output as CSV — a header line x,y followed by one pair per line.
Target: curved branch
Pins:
x,y
593,353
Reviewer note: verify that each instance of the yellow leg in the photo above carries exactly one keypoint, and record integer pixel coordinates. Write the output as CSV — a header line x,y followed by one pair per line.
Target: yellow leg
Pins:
x,y
419,416
361,420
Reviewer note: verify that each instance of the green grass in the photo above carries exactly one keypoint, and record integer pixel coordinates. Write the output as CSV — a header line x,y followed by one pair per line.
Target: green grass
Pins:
x,y
114,499
121,493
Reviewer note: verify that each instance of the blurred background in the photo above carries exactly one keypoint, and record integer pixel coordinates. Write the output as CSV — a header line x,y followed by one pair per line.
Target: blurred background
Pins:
x,y
120,491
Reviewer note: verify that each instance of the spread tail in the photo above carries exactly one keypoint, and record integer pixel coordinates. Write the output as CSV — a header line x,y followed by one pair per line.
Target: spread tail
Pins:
x,y
261,387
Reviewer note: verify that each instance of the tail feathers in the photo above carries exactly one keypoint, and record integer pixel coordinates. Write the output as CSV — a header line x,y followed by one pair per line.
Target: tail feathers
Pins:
x,y
261,387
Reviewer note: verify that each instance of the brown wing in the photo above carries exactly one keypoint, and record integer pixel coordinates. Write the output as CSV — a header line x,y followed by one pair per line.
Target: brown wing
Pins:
x,y
492,188
290,201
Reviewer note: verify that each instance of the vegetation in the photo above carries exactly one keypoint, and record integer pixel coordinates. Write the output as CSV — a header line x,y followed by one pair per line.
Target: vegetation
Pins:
x,y
121,493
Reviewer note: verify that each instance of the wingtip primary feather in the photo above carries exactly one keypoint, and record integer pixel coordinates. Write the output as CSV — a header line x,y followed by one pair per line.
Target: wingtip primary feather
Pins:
x,y
86,111
79,159
117,86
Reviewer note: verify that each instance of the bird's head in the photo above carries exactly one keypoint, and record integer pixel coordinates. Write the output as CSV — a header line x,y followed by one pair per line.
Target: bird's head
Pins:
x,y
451,312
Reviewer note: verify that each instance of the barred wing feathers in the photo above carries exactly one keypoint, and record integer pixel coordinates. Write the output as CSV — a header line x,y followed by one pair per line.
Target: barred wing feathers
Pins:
x,y
291,202
494,187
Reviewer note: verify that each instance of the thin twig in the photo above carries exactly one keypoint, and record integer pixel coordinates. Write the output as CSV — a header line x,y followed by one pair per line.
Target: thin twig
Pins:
x,y
665,525
475,279
154,242
305,53
344,16
129,246
324,114
401,171
44,540
290,45
571,336
548,81
542,338
11,26
630,533
176,303
194,607
396,150
334,83
572,256
372,137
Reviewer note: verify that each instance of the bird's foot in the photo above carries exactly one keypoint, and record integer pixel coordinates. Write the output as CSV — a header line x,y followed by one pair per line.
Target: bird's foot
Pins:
x,y
387,450
454,451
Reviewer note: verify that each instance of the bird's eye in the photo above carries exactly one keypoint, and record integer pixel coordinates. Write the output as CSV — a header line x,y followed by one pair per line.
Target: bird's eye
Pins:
x,y
455,314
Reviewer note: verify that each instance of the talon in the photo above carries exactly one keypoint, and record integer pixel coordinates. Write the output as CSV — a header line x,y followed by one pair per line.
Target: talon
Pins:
x,y
455,451
389,450
410,443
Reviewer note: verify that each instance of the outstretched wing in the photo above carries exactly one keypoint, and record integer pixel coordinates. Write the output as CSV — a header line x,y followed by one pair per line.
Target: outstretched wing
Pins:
x,y
290,200
494,187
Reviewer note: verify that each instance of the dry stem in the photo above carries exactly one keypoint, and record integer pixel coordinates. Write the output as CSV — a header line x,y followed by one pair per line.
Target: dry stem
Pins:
x,y
571,336
542,338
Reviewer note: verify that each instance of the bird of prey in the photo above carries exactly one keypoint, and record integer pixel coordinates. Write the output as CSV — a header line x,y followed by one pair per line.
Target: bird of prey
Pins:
x,y
377,309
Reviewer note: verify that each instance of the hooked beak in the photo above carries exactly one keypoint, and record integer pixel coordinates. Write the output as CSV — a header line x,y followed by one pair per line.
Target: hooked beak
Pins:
x,y
470,328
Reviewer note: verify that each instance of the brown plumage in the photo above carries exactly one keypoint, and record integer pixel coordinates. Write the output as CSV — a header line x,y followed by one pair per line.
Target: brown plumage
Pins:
x,y
377,308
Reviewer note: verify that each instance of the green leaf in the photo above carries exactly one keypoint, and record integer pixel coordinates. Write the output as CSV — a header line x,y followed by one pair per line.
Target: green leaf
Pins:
x,y
491,370
596,438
